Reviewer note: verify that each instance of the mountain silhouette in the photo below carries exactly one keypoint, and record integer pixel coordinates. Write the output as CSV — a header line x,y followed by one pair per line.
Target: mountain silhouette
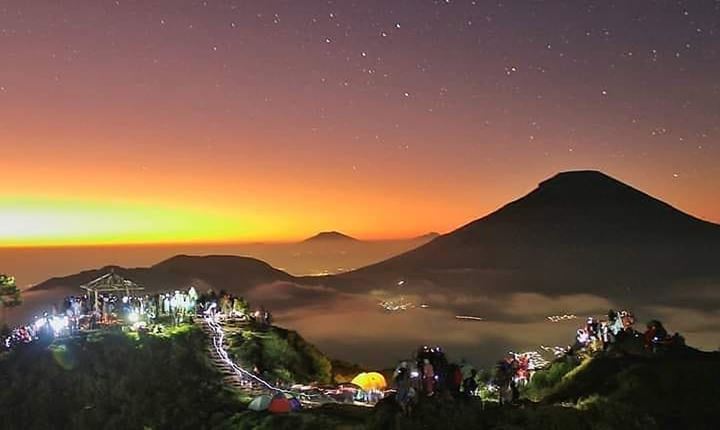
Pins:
x,y
334,236
579,231
232,273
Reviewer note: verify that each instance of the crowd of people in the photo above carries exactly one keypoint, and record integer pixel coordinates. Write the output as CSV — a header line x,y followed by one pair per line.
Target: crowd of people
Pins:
x,y
48,326
84,312
19,335
139,312
594,336
602,334
431,373
229,306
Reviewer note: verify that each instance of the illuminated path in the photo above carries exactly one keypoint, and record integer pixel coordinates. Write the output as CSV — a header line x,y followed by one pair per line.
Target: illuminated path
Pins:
x,y
238,377
241,378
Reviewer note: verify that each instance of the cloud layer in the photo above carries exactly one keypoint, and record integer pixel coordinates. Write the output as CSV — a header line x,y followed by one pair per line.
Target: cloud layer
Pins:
x,y
354,327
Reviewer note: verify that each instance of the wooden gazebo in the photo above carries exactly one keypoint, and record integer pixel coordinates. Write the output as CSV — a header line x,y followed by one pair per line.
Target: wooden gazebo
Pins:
x,y
110,283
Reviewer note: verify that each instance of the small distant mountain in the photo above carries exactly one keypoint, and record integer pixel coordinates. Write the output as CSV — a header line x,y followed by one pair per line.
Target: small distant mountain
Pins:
x,y
330,236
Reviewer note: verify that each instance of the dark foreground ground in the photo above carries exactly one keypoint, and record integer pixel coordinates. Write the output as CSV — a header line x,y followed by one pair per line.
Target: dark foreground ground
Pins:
x,y
114,380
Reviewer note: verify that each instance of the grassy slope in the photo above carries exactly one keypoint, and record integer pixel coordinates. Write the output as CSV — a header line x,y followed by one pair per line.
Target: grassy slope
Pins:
x,y
674,390
280,354
114,381
669,391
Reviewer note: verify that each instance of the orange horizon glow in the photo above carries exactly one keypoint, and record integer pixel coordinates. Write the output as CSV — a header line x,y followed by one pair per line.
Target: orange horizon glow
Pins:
x,y
48,222
97,220
51,223
122,204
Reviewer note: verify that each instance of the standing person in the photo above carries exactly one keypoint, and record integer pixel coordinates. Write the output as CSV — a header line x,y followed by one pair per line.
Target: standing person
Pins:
x,y
454,379
606,334
649,336
522,369
470,385
591,328
428,378
582,338
515,392
404,387
503,378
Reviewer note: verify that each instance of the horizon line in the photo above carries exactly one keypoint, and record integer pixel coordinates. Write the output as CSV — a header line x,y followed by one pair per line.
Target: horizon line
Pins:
x,y
230,242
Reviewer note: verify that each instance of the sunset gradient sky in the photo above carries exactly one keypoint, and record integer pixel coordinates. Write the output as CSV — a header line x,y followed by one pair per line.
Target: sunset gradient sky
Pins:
x,y
205,121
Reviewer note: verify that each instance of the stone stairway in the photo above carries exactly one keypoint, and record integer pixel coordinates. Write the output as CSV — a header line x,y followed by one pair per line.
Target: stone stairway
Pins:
x,y
234,379
234,375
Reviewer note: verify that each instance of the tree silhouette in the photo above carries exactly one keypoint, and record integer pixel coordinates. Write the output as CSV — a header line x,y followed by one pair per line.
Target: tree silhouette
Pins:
x,y
9,294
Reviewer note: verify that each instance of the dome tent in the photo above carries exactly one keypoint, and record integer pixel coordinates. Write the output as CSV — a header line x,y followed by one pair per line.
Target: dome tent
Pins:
x,y
280,404
370,381
295,404
260,403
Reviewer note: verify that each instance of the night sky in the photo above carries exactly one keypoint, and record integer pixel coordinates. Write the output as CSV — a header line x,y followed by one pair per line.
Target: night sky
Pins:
x,y
185,120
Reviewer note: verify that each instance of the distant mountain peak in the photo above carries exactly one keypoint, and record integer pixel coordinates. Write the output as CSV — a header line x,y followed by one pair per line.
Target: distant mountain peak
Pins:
x,y
582,178
586,188
330,235
588,173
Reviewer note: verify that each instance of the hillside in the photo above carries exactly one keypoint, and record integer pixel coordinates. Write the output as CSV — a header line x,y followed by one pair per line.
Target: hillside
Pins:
x,y
232,273
605,392
578,231
280,355
113,381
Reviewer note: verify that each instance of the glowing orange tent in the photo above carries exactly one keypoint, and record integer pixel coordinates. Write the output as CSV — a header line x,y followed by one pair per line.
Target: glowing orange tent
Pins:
x,y
280,405
370,381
